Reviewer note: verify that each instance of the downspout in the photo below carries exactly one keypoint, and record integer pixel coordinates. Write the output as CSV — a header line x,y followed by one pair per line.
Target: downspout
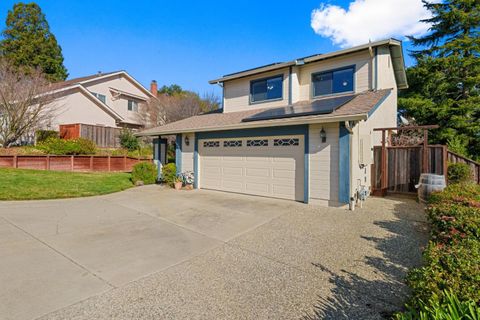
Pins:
x,y
290,85
349,126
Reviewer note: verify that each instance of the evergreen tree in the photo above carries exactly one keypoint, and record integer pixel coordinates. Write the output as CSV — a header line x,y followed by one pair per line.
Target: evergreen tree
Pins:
x,y
445,83
28,43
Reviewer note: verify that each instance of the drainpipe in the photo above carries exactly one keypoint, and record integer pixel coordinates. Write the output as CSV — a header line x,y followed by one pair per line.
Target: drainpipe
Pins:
x,y
290,85
349,126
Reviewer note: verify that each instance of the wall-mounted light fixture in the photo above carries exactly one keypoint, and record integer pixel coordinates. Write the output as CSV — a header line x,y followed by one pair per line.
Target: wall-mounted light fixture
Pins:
x,y
323,135
187,141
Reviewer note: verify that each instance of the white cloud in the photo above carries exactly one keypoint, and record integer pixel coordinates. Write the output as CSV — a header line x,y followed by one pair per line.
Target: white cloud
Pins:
x,y
366,20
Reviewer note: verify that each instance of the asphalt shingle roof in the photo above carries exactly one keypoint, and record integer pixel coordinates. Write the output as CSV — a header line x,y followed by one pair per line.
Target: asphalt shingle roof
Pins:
x,y
361,104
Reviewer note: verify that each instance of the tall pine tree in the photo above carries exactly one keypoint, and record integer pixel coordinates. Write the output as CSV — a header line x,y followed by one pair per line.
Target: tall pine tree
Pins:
x,y
28,43
445,83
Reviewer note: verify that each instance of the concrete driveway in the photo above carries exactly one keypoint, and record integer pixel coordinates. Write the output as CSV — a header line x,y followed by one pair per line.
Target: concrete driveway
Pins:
x,y
154,253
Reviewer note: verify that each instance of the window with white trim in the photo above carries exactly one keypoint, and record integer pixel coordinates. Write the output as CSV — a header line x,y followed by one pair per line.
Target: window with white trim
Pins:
x,y
132,105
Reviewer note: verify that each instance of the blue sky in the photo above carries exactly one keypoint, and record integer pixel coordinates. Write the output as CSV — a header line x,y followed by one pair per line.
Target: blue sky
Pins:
x,y
187,43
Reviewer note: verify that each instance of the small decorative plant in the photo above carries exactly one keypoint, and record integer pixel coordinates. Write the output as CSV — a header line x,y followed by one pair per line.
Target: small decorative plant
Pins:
x,y
178,182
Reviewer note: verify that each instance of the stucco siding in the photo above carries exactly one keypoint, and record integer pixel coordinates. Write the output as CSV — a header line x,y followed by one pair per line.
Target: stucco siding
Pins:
x,y
362,77
324,162
237,93
119,104
385,73
76,107
188,152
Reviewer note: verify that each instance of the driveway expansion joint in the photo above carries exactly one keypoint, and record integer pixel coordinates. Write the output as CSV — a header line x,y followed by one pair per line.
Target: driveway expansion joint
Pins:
x,y
112,286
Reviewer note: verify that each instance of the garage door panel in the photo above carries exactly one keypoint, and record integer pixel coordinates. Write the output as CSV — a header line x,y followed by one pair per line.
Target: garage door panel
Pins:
x,y
266,170
257,188
232,171
289,174
257,172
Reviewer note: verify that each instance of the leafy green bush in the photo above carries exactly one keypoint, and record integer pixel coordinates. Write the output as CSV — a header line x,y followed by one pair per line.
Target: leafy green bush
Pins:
x,y
144,171
169,174
67,147
128,140
448,308
459,172
42,135
453,254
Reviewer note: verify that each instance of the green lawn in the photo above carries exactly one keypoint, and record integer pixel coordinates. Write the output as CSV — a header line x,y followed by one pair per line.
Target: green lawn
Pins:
x,y
20,184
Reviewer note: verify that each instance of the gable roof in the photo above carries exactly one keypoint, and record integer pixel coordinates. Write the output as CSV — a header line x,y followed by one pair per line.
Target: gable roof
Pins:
x,y
95,77
395,51
356,109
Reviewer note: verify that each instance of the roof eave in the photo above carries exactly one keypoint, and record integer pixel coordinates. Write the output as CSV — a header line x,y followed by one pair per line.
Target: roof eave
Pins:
x,y
265,123
314,58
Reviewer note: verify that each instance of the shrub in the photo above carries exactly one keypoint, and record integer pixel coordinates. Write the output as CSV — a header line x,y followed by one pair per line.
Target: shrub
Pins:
x,y
67,147
169,174
448,308
459,173
128,140
452,255
42,135
144,171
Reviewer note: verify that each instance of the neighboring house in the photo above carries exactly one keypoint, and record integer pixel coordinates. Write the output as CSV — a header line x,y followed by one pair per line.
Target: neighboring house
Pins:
x,y
107,100
300,130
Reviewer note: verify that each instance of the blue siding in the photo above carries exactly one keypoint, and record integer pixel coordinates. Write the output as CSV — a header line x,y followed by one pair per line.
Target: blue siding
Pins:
x,y
254,132
306,176
195,163
178,153
344,165
258,132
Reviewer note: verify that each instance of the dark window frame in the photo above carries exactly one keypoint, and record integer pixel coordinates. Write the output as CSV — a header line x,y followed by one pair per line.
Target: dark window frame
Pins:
x,y
312,86
99,96
281,76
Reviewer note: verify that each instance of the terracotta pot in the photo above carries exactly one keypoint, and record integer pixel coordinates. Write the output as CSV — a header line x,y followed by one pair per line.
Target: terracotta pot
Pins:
x,y
178,185
189,187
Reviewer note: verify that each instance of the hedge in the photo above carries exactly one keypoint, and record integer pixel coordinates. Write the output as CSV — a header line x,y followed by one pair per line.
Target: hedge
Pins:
x,y
452,257
145,172
67,147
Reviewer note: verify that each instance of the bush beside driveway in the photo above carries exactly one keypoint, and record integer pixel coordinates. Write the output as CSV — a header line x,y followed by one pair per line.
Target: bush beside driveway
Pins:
x,y
158,253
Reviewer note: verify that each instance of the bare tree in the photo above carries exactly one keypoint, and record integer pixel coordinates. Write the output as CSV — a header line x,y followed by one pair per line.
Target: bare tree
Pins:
x,y
25,103
168,108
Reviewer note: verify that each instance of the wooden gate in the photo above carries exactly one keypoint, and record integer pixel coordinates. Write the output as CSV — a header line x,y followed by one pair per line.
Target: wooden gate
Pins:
x,y
404,166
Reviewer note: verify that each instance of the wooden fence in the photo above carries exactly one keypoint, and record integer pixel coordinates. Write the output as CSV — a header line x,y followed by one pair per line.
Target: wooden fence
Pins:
x,y
405,164
70,163
104,137
474,166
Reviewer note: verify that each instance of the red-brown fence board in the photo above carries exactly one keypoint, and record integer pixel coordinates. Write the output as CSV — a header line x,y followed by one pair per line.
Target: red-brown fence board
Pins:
x,y
71,163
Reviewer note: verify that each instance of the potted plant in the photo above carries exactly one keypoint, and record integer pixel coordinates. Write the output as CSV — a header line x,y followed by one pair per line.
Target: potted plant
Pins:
x,y
178,182
188,179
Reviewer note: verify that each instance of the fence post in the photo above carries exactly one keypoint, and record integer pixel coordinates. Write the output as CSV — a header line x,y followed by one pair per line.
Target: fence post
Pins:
x,y
124,163
48,162
71,163
383,178
15,161
109,165
425,152
91,163
445,161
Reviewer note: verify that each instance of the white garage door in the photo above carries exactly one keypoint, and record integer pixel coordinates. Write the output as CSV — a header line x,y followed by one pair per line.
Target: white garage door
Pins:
x,y
266,166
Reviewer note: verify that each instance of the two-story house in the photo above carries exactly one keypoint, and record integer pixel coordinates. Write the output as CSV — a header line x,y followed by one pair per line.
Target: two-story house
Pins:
x,y
300,130
106,100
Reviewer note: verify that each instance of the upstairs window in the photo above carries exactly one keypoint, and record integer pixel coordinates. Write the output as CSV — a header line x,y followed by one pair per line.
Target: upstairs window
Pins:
x,y
332,82
100,97
266,89
132,105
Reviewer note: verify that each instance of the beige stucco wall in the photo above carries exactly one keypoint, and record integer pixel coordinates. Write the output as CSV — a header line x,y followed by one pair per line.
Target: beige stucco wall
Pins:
x,y
76,107
384,116
362,76
120,105
237,93
385,74
188,152
324,163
